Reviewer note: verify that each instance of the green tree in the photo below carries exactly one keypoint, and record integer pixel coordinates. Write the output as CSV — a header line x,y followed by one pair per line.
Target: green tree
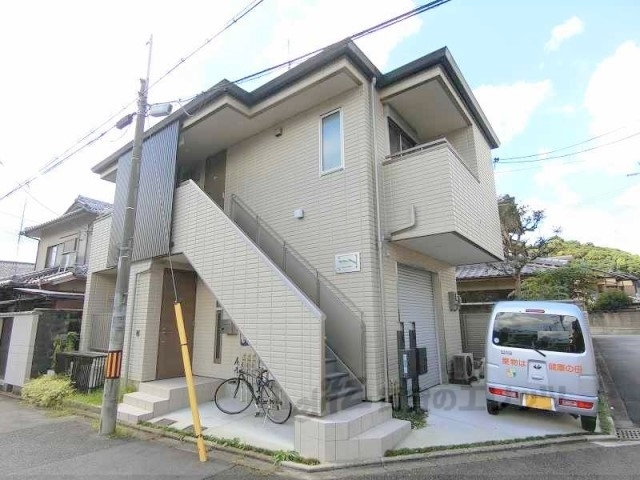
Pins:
x,y
612,300
518,225
601,258
572,281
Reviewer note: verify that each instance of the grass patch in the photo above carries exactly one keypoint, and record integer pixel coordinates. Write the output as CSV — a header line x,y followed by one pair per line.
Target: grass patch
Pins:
x,y
47,391
95,397
277,456
119,432
418,418
412,451
604,413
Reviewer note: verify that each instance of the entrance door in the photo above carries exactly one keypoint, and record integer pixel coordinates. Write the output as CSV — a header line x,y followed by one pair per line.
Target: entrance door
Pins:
x,y
5,339
416,304
169,363
214,177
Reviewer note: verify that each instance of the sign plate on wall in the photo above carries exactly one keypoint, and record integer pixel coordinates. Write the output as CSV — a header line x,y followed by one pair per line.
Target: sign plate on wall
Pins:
x,y
348,262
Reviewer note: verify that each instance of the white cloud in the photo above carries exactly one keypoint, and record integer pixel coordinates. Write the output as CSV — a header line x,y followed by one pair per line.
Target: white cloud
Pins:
x,y
572,27
302,27
510,106
569,110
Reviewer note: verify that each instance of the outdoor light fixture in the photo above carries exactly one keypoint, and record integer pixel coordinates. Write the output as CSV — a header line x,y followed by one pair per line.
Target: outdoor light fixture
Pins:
x,y
160,110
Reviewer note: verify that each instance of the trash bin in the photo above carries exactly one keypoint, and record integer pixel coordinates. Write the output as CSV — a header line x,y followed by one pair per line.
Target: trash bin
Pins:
x,y
85,369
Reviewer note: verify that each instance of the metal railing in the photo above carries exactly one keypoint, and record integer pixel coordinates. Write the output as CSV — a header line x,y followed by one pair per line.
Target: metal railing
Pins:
x,y
344,325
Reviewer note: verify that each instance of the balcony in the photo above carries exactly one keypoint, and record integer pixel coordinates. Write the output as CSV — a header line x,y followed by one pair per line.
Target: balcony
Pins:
x,y
435,205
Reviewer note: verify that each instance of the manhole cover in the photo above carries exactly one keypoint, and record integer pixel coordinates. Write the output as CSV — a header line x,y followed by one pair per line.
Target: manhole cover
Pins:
x,y
628,433
165,422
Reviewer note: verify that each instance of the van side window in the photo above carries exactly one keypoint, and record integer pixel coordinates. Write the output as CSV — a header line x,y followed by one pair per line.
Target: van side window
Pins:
x,y
555,333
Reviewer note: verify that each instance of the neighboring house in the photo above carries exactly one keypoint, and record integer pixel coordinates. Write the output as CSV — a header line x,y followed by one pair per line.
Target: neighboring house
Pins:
x,y
8,268
628,283
317,215
38,305
492,282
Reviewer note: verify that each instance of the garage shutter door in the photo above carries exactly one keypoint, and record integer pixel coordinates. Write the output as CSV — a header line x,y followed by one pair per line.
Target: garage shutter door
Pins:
x,y
474,333
415,303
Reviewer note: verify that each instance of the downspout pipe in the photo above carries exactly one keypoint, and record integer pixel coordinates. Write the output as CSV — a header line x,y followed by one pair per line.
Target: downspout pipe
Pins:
x,y
380,235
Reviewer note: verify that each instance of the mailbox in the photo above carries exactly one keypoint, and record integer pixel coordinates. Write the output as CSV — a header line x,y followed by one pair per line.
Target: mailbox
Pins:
x,y
421,360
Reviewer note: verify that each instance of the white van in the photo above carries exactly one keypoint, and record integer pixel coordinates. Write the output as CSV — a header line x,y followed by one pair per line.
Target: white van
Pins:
x,y
540,355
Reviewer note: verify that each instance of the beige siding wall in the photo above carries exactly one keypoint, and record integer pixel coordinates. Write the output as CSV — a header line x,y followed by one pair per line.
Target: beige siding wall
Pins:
x,y
276,175
283,327
204,339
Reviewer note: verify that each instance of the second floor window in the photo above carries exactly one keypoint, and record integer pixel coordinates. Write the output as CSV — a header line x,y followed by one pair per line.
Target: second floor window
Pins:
x,y
331,157
399,141
62,254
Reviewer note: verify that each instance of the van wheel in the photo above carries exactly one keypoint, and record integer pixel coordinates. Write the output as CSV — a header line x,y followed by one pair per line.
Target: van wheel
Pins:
x,y
588,423
493,407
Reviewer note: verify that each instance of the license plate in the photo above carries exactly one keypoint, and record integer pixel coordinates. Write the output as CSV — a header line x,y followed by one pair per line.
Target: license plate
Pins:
x,y
537,401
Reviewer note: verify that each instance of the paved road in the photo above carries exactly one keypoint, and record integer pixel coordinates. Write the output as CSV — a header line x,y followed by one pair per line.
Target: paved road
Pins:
x,y
621,354
34,445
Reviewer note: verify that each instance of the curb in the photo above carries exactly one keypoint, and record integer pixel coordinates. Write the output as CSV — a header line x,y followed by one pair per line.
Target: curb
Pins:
x,y
613,399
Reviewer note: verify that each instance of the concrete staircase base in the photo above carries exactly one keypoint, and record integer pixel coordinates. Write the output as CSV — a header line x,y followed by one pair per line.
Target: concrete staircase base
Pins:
x,y
363,432
159,397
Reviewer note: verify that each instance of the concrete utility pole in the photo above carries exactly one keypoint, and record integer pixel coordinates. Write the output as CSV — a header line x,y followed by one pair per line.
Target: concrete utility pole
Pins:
x,y
109,412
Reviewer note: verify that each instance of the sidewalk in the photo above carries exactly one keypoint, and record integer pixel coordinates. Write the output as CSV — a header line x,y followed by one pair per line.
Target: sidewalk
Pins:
x,y
36,445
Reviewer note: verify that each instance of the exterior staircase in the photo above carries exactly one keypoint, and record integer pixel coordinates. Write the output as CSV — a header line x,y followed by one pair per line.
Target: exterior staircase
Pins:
x,y
341,389
162,396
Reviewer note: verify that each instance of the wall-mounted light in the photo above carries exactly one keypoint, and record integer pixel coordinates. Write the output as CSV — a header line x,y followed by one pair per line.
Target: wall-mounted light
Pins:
x,y
298,213
278,132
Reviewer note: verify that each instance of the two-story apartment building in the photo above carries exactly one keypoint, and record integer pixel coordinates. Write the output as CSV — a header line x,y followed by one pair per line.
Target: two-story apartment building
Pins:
x,y
316,216
37,305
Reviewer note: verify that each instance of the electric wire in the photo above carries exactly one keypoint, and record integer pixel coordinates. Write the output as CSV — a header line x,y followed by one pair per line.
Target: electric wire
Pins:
x,y
71,152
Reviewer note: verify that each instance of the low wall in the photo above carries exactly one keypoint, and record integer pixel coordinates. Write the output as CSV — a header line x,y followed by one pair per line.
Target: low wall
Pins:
x,y
615,323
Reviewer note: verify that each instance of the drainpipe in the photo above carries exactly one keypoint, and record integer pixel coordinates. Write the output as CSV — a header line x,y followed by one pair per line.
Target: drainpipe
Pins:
x,y
380,235
125,376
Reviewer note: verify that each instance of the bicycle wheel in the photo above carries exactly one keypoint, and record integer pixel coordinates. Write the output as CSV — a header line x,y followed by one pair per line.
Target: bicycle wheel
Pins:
x,y
233,396
275,403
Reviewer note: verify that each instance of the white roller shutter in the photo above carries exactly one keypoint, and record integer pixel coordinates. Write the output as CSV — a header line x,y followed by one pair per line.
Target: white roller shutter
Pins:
x,y
416,304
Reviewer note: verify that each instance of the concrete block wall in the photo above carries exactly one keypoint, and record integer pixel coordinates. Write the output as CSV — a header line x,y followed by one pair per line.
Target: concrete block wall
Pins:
x,y
284,328
20,356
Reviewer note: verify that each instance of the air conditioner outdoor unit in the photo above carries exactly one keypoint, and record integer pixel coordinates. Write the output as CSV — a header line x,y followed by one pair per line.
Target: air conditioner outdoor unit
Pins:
x,y
462,368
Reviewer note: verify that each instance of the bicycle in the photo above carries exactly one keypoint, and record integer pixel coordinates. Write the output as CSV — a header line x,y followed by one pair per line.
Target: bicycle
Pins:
x,y
235,394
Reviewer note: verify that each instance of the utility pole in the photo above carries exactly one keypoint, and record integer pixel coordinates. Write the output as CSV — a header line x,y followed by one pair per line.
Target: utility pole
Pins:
x,y
109,412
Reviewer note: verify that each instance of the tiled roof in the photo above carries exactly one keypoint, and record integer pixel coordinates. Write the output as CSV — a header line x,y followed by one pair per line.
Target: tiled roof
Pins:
x,y
79,205
501,269
47,276
8,268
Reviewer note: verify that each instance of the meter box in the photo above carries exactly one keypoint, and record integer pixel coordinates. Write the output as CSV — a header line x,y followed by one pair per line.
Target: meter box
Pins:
x,y
408,359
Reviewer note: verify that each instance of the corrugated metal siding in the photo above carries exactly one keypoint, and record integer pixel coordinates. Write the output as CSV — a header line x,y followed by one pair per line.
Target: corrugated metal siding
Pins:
x,y
416,304
474,332
155,196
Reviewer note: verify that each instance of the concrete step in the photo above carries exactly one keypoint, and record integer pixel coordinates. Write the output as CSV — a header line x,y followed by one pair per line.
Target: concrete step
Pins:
x,y
156,405
373,443
131,414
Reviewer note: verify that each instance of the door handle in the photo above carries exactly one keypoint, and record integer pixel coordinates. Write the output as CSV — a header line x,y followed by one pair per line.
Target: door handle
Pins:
x,y
537,377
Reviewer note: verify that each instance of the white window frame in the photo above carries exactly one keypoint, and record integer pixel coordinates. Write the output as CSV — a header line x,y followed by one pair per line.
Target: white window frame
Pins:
x,y
341,166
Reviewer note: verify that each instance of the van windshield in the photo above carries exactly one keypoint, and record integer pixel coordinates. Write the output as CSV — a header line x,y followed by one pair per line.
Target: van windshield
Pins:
x,y
542,331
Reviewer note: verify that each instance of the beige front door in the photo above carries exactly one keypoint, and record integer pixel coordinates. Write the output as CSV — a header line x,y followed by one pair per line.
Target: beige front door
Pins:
x,y
169,363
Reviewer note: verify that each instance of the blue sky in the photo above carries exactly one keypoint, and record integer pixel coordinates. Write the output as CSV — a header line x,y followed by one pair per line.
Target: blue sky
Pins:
x,y
548,74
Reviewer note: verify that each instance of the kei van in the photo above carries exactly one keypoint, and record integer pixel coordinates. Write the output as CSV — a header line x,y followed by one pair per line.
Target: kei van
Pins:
x,y
540,355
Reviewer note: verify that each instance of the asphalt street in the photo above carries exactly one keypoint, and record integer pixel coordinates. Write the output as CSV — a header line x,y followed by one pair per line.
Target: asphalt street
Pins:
x,y
621,354
35,445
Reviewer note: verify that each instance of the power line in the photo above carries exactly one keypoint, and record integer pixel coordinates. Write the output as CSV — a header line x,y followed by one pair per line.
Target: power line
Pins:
x,y
635,134
387,23
71,151
567,147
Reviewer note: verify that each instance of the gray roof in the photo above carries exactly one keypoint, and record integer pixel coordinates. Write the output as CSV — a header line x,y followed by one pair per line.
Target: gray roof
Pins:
x,y
501,269
343,49
8,268
51,275
80,205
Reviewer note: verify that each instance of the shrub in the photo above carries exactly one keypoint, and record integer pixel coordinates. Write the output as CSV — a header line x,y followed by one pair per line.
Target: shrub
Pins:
x,y
47,391
611,300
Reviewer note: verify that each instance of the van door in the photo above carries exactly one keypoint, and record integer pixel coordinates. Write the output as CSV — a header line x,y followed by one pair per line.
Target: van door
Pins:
x,y
542,351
